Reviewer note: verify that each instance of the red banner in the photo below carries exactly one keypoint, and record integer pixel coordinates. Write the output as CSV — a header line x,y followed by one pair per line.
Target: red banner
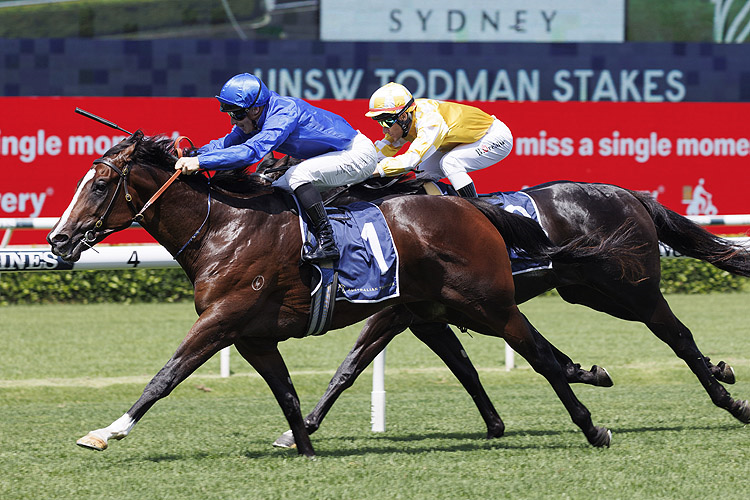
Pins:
x,y
692,157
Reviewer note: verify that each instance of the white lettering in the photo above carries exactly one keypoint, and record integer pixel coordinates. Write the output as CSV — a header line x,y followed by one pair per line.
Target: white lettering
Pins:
x,y
345,82
650,85
566,89
312,79
432,86
465,91
18,203
605,88
290,83
677,88
502,89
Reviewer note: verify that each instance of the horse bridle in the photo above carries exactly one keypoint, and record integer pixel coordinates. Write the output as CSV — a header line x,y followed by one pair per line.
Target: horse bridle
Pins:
x,y
122,183
90,235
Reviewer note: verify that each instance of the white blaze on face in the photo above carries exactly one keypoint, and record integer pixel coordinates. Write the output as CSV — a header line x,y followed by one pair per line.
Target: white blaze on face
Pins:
x,y
64,218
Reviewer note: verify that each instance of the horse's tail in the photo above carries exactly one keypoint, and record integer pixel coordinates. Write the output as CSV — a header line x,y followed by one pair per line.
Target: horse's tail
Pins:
x,y
614,250
691,240
519,232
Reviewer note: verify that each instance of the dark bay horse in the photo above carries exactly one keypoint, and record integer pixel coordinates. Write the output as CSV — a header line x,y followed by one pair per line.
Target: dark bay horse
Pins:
x,y
242,254
569,210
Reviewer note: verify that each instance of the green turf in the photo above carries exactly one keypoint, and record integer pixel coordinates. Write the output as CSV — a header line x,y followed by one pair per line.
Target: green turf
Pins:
x,y
66,370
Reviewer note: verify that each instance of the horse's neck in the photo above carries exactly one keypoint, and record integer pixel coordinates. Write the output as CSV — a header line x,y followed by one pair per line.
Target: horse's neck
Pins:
x,y
183,222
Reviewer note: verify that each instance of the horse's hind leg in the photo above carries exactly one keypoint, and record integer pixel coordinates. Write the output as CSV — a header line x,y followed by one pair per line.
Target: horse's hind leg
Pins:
x,y
721,372
378,331
270,365
645,303
529,343
597,376
440,338
665,325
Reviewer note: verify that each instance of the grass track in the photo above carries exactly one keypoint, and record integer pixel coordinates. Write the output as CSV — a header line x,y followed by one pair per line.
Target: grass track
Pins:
x,y
68,369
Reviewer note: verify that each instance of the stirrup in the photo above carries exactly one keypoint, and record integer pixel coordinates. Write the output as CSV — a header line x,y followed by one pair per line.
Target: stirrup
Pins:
x,y
321,253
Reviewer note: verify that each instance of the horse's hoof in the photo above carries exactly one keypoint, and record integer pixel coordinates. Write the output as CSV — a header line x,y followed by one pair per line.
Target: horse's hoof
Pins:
x,y
741,411
601,376
725,373
92,442
602,438
495,431
286,440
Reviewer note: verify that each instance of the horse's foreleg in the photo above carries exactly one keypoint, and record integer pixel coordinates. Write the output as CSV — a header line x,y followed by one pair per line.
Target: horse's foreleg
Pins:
x,y
202,342
378,331
270,365
440,338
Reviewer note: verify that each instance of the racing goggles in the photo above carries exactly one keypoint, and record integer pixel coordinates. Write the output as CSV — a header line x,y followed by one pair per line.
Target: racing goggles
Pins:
x,y
238,114
386,121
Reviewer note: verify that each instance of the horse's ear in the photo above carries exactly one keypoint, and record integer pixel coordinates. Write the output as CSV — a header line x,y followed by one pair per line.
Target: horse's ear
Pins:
x,y
268,156
127,153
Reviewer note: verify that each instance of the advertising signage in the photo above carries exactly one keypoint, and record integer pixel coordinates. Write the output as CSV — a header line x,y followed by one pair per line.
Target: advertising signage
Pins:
x,y
476,21
562,72
691,156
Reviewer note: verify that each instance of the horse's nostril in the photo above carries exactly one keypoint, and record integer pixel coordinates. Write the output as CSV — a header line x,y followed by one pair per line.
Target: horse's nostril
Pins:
x,y
59,239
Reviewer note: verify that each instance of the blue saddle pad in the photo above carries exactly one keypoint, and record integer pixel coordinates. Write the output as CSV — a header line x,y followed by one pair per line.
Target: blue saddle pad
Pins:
x,y
368,267
520,203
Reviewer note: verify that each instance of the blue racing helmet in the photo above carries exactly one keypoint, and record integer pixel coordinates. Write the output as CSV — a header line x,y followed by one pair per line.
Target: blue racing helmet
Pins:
x,y
243,91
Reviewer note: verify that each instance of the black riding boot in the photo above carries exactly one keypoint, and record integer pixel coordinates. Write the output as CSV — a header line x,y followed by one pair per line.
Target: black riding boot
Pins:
x,y
312,203
468,191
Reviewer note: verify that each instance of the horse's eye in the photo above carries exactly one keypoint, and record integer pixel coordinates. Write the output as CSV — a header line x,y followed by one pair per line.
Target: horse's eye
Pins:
x,y
99,187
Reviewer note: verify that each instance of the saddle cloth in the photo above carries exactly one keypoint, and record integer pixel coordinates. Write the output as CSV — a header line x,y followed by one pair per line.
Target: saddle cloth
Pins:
x,y
368,268
512,201
520,203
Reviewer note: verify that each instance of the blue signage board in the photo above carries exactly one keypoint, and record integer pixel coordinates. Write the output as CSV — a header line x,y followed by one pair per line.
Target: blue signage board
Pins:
x,y
615,72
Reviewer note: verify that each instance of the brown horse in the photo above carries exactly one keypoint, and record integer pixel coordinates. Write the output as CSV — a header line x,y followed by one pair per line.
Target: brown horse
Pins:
x,y
567,210
242,254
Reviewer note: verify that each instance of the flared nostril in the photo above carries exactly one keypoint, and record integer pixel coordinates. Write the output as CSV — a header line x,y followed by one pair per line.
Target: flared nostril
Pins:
x,y
58,239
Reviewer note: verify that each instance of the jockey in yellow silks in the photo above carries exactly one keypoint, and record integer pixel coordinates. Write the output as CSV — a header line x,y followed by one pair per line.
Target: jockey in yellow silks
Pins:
x,y
447,139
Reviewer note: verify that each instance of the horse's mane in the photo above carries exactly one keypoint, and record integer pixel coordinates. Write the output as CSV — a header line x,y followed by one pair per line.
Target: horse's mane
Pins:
x,y
159,152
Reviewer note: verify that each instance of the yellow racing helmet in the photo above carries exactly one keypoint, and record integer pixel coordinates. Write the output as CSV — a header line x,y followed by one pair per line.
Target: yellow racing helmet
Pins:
x,y
390,99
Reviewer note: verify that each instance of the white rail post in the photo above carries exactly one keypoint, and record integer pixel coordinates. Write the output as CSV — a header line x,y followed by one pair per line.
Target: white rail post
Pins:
x,y
510,360
224,362
377,405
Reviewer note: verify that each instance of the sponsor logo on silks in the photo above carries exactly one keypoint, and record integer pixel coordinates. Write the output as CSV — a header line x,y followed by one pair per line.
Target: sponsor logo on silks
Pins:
x,y
698,200
31,260
486,148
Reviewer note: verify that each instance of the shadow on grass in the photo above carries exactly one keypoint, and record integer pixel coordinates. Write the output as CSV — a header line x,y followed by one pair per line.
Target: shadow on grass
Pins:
x,y
429,442
470,441
675,428
433,441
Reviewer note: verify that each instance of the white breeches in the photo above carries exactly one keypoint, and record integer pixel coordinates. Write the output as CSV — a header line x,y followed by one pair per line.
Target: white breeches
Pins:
x,y
354,164
454,164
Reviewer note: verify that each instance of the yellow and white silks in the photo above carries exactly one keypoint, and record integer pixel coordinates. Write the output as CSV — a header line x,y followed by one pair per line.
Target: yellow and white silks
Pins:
x,y
447,139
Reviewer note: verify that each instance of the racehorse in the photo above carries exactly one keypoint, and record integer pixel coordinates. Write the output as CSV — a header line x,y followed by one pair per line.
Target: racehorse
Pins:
x,y
567,211
241,251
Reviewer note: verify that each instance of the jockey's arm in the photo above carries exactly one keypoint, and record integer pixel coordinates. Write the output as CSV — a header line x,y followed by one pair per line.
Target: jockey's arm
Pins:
x,y
274,132
431,131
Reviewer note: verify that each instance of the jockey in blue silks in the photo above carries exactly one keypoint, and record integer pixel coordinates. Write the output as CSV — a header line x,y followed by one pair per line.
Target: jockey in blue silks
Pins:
x,y
334,153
